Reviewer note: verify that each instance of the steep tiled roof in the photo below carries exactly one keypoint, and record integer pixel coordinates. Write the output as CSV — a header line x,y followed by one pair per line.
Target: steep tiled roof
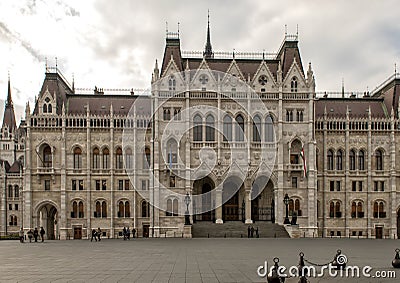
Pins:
x,y
15,168
358,107
55,84
100,104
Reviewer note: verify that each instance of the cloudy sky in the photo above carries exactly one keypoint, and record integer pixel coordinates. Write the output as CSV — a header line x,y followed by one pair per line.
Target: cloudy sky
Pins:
x,y
114,44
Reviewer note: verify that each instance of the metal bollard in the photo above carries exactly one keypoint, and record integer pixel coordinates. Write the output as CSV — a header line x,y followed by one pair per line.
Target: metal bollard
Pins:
x,y
274,276
396,260
339,260
301,271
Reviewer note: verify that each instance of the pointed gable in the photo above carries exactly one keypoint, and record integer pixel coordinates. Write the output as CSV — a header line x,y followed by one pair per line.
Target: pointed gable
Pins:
x,y
263,78
57,87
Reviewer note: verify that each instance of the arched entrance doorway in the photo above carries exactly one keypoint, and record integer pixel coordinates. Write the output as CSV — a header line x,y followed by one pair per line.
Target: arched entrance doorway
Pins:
x,y
48,219
398,224
262,200
204,203
231,210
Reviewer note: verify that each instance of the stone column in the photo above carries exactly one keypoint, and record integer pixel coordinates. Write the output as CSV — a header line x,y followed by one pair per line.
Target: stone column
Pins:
x,y
218,210
247,200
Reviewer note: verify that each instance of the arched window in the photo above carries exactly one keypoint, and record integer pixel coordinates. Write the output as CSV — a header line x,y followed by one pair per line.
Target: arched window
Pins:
x,y
297,207
10,191
378,160
293,85
339,160
269,129
77,158
361,160
104,209
175,207
106,158
330,160
44,108
47,157
169,208
197,128
49,108
16,191
227,128
128,158
74,213
13,220
147,157
352,160
127,209
96,158
257,129
379,209
97,213
171,83
172,152
118,159
357,209
121,209
166,114
210,128
291,207
81,212
334,209
145,209
239,129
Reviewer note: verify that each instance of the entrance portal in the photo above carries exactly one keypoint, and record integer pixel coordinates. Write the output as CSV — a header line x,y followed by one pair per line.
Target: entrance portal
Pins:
x,y
378,232
262,203
78,233
202,208
230,199
47,216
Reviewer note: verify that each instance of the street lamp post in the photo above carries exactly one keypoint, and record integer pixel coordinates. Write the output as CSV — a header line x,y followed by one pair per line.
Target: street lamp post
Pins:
x,y
187,202
286,202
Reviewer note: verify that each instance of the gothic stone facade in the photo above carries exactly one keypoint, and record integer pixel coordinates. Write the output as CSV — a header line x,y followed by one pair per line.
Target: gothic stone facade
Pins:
x,y
71,169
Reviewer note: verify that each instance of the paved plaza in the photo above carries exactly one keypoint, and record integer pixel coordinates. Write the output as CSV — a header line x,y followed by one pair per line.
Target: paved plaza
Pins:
x,y
181,260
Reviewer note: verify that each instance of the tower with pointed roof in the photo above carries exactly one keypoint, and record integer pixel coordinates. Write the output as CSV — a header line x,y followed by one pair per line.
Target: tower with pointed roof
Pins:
x,y
208,53
8,129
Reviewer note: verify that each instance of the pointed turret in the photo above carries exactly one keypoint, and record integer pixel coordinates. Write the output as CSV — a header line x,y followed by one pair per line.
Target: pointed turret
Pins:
x,y
208,53
9,115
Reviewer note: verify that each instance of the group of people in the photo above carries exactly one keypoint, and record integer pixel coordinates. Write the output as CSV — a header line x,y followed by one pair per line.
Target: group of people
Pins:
x,y
250,232
127,233
96,234
32,234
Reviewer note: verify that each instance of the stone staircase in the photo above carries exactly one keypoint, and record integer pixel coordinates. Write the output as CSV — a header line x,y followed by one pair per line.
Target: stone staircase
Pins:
x,y
237,229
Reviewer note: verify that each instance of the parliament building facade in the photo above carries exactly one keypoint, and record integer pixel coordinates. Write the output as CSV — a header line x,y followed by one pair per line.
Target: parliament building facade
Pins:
x,y
107,159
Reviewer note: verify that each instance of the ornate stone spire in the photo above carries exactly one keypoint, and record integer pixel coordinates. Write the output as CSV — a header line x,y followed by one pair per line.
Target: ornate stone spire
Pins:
x,y
9,115
208,53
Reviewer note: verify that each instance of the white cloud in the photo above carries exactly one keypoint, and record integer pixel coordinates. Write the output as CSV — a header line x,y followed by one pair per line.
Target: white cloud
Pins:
x,y
114,44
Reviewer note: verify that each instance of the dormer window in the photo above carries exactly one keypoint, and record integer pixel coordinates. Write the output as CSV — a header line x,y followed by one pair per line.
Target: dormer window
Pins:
x,y
47,107
293,85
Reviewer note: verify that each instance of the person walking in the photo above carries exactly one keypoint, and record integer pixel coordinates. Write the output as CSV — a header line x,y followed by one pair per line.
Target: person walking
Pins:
x,y
21,235
257,236
128,233
94,236
133,232
252,232
99,234
42,232
30,235
36,234
124,233
248,231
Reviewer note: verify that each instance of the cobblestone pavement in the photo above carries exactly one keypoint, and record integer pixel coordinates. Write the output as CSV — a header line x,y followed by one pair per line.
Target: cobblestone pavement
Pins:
x,y
182,260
